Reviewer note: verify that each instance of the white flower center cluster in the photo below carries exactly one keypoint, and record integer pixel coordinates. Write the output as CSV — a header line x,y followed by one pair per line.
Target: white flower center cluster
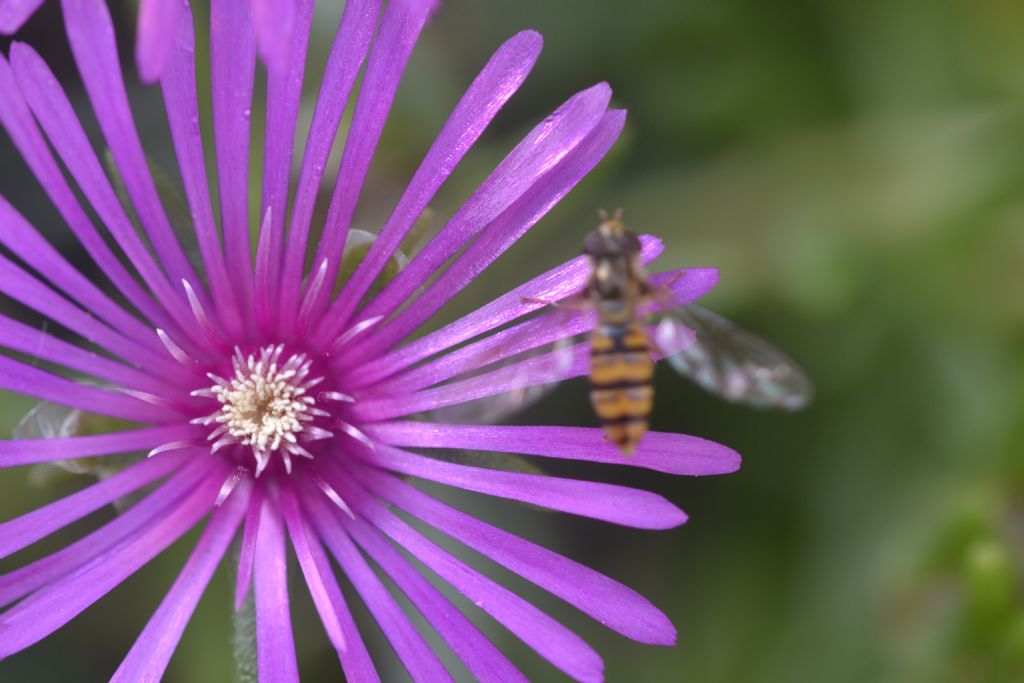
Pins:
x,y
266,405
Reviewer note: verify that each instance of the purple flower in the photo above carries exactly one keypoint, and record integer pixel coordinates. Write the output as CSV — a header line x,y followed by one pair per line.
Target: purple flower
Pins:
x,y
272,407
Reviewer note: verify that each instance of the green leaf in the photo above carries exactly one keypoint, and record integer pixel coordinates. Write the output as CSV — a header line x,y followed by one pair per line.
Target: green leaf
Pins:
x,y
357,245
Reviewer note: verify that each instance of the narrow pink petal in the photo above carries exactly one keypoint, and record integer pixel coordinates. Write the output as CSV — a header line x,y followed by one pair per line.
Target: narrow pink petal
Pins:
x,y
14,13
30,381
494,85
53,110
37,344
91,35
147,661
316,580
547,637
684,286
154,39
536,154
29,528
31,451
347,54
232,70
20,582
659,451
607,502
22,287
282,29
399,29
247,553
418,658
43,612
25,242
179,88
550,366
555,284
17,120
355,660
499,235
618,607
275,647
484,661
274,22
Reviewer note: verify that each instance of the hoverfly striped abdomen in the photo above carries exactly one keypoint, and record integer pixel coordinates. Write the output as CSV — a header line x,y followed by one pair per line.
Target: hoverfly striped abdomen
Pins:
x,y
621,371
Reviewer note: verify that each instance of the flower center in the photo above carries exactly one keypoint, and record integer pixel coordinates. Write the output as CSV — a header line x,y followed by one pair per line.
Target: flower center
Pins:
x,y
266,406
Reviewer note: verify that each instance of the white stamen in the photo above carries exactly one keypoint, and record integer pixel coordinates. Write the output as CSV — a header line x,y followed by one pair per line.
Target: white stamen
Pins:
x,y
331,493
172,348
198,311
144,396
169,446
337,396
230,484
356,434
266,406
354,331
314,433
312,292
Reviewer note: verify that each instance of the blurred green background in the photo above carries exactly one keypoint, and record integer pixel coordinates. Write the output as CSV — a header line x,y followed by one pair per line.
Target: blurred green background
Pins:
x,y
856,171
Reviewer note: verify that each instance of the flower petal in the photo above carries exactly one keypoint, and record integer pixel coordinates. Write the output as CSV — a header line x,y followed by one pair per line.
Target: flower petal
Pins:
x,y
22,287
493,86
282,30
37,344
548,367
484,661
555,284
232,71
418,658
496,238
347,54
30,381
608,502
274,22
275,646
25,242
539,331
538,152
14,13
18,583
618,607
53,110
659,451
40,614
355,660
154,39
148,658
91,34
178,82
317,577
29,528
547,637
31,451
399,30
17,120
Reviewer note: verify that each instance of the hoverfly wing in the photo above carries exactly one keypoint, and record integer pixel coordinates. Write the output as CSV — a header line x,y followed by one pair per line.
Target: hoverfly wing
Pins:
x,y
737,365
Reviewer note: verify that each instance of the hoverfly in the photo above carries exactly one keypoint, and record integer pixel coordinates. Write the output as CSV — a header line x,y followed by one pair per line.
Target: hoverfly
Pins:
x,y
716,354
